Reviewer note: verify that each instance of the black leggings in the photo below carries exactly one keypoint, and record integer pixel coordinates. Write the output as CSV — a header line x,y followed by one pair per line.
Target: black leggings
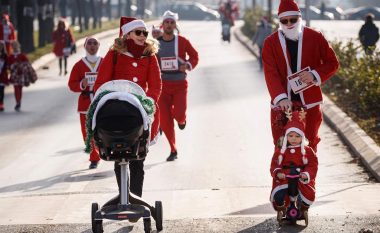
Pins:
x,y
64,61
136,170
2,94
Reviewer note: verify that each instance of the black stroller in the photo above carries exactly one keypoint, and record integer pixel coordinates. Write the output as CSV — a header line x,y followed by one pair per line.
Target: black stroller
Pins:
x,y
121,137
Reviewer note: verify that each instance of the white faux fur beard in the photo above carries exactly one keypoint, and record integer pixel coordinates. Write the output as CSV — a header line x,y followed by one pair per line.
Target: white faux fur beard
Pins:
x,y
293,33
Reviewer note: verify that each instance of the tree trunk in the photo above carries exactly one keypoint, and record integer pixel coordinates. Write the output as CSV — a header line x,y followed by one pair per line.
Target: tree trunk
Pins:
x,y
63,8
109,12
45,21
79,11
140,9
25,16
269,10
93,13
119,8
85,12
128,8
253,4
74,11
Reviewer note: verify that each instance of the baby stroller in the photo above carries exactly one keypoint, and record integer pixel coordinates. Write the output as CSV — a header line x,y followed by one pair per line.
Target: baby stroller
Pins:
x,y
120,128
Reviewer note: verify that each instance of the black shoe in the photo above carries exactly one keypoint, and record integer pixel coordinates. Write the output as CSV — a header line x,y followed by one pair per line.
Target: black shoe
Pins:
x,y
182,126
17,107
93,165
172,156
65,72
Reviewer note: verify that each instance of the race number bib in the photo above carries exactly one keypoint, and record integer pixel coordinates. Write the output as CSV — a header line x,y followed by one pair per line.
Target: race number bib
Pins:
x,y
91,77
296,84
169,63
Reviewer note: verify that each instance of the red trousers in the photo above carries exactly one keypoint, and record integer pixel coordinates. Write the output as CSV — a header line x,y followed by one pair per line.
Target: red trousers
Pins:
x,y
313,122
173,105
94,155
18,93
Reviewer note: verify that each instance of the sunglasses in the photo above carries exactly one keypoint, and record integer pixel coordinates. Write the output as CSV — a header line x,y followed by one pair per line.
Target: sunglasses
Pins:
x,y
291,20
92,43
139,32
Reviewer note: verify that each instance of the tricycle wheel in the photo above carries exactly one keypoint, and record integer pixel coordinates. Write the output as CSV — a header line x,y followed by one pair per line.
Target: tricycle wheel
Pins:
x,y
158,207
147,225
97,225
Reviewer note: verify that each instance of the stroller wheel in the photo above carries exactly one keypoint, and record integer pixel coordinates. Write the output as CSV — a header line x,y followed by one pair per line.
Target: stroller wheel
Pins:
x,y
147,225
97,225
158,207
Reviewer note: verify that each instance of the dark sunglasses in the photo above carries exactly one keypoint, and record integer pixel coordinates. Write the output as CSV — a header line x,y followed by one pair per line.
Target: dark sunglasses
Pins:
x,y
139,32
92,43
291,20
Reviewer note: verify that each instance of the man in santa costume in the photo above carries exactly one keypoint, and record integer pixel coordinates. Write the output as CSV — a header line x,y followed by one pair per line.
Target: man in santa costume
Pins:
x,y
7,33
293,158
176,56
82,79
289,50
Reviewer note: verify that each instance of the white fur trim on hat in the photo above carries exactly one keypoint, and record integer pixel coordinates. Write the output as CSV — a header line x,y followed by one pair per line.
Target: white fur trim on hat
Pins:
x,y
170,15
128,27
289,13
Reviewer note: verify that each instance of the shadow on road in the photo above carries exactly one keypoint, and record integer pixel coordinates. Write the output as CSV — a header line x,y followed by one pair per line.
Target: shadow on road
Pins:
x,y
69,177
271,225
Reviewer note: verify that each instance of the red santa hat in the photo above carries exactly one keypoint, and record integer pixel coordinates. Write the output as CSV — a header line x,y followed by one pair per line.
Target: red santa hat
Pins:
x,y
296,123
127,24
288,8
90,38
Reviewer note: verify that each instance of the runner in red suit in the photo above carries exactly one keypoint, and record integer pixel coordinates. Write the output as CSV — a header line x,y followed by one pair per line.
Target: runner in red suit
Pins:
x,y
81,80
7,33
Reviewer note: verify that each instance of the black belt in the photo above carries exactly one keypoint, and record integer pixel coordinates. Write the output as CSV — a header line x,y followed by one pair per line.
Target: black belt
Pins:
x,y
87,93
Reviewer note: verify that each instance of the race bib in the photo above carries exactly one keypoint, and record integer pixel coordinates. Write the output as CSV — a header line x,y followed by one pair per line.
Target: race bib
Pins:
x,y
296,84
169,64
91,77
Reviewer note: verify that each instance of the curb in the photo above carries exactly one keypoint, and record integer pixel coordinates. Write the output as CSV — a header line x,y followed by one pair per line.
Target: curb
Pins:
x,y
362,146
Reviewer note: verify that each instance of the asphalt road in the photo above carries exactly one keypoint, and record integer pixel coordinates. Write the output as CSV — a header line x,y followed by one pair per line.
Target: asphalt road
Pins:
x,y
221,181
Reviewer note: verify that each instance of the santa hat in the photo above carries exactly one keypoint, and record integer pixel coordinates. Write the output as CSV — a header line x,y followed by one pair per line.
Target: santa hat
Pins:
x,y
127,24
288,8
296,124
89,38
170,15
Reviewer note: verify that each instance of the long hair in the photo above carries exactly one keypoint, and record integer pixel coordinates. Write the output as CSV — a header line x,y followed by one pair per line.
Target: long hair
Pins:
x,y
120,46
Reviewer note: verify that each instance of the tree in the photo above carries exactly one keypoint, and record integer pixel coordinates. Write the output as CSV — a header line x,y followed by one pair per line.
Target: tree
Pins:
x,y
45,21
25,14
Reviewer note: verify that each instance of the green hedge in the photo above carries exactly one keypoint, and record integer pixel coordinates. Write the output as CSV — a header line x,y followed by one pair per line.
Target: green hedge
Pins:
x,y
251,17
356,86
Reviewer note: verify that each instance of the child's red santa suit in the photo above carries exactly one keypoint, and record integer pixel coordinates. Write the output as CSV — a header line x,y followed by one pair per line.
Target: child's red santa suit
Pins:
x,y
301,156
7,33
86,68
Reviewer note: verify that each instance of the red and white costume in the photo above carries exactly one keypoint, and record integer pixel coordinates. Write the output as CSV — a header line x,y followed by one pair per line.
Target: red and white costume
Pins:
x,y
144,71
173,100
313,51
62,39
84,69
7,33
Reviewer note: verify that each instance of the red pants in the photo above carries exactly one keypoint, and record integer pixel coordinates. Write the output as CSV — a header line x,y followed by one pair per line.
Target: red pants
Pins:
x,y
173,105
18,93
94,155
313,122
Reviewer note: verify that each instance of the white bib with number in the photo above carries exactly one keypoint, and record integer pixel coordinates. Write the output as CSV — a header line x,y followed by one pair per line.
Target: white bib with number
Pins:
x,y
169,63
91,77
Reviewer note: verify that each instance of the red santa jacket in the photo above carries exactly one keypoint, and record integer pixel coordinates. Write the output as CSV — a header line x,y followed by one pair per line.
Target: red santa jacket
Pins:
x,y
9,38
186,49
294,156
313,51
62,39
75,82
144,71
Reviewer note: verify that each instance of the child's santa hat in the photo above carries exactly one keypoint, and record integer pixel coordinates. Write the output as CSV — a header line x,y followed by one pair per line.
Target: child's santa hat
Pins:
x,y
296,123
127,24
287,8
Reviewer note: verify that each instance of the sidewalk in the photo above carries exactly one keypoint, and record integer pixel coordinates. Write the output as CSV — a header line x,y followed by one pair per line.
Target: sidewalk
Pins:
x,y
361,145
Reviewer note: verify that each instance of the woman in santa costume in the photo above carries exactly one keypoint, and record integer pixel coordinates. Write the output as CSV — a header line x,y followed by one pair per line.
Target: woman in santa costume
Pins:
x,y
63,40
289,50
4,77
176,56
293,158
82,78
7,33
133,57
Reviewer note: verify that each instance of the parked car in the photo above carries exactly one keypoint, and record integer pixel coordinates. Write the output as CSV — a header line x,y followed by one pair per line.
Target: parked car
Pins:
x,y
360,13
194,11
315,14
337,12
